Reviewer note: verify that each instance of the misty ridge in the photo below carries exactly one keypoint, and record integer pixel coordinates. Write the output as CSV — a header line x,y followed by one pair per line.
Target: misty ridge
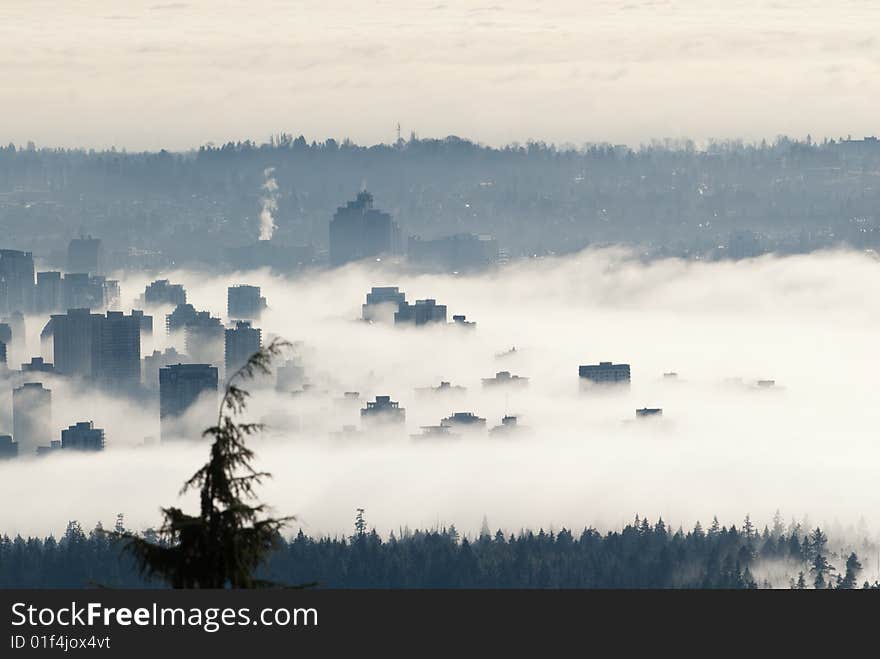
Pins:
x,y
724,446
714,200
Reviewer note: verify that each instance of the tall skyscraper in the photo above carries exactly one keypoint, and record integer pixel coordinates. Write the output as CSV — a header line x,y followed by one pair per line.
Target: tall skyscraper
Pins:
x,y
180,386
76,336
83,291
105,348
31,417
359,231
204,338
162,292
84,255
48,297
244,302
16,281
242,341
119,362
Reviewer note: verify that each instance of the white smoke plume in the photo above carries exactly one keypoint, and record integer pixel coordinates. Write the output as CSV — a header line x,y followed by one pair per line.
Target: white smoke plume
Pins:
x,y
269,204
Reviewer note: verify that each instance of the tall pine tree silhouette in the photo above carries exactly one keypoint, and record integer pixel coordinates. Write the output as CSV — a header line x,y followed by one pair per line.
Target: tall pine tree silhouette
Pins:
x,y
230,538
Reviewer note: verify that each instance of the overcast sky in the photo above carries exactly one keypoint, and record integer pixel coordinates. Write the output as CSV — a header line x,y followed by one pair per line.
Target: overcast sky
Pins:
x,y
159,73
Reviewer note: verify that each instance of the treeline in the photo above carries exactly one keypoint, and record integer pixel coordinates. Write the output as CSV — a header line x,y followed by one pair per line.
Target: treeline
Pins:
x,y
641,555
535,198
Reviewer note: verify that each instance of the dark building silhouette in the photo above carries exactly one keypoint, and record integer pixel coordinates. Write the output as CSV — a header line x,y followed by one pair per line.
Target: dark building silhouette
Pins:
x,y
76,338
241,342
178,319
444,387
504,378
48,298
151,364
84,291
16,281
119,358
145,322
8,448
383,410
382,303
162,292
467,420
31,416
420,313
648,412
461,252
106,348
435,432
244,302
509,425
180,386
83,436
38,365
462,321
51,447
604,373
84,255
205,338
359,231
16,323
5,333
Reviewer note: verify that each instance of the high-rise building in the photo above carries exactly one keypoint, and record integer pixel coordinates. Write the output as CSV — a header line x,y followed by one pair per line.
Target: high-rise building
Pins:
x,y
162,292
83,436
178,319
84,255
31,416
421,313
8,448
383,410
180,386
83,291
604,373
106,348
242,341
152,363
3,357
359,231
38,365
76,337
145,322
382,303
119,361
204,338
48,296
16,281
244,302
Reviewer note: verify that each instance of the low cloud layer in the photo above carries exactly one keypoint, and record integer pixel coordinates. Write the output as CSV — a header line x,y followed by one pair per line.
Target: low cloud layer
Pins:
x,y
723,447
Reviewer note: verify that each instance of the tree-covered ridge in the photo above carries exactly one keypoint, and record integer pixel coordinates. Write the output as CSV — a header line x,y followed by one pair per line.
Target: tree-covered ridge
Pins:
x,y
535,198
641,555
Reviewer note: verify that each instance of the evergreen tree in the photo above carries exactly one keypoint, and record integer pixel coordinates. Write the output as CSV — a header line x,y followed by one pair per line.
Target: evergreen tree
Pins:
x,y
229,539
853,567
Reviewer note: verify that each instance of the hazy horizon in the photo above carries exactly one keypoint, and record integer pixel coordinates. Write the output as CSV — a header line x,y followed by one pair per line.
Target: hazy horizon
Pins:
x,y
175,75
